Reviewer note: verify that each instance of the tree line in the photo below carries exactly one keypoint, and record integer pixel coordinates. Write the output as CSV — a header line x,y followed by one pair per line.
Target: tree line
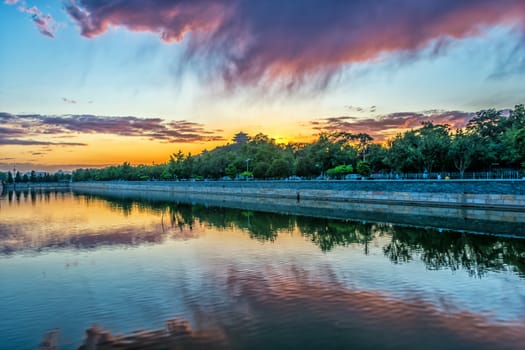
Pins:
x,y
490,138
34,177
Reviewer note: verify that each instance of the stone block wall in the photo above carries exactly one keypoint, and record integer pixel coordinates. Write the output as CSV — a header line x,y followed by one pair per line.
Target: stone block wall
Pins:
x,y
505,194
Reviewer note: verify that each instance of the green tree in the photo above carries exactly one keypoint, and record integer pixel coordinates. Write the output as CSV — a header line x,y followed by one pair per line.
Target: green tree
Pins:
x,y
516,118
363,169
486,123
404,153
279,168
231,170
126,171
247,174
464,148
511,138
260,171
434,144
340,171
364,141
377,157
510,147
489,126
176,164
520,145
332,149
305,166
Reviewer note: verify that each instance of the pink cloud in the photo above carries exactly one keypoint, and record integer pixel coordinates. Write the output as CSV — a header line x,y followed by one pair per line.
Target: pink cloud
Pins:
x,y
44,23
35,125
295,41
383,127
171,20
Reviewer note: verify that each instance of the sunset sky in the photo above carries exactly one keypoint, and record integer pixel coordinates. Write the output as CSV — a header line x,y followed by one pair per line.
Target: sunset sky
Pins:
x,y
91,82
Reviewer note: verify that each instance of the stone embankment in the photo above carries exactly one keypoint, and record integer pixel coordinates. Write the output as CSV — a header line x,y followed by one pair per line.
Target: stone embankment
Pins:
x,y
24,186
506,195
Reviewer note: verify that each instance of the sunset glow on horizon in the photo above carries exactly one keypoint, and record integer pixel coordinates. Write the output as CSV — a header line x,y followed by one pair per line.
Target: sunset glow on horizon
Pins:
x,y
89,83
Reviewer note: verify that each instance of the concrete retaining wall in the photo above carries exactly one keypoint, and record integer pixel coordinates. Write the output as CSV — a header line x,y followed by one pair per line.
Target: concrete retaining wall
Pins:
x,y
475,220
494,194
23,186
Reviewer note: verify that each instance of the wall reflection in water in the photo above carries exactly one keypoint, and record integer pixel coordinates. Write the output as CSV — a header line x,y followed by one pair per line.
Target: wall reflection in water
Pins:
x,y
212,277
72,221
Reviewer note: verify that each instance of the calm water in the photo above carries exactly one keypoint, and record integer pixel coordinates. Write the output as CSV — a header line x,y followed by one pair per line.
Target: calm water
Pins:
x,y
78,269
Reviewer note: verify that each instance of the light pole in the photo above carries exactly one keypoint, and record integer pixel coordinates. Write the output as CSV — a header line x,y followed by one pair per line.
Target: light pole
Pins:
x,y
247,161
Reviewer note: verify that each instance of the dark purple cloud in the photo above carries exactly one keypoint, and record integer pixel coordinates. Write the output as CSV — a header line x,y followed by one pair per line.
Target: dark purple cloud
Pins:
x,y
32,125
390,124
28,142
296,40
6,164
11,131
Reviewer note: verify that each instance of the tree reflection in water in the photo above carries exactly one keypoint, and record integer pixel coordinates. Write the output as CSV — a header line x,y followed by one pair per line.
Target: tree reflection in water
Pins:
x,y
328,234
177,334
477,254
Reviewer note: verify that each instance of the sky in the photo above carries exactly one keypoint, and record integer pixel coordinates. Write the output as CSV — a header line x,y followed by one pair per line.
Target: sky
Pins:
x,y
88,83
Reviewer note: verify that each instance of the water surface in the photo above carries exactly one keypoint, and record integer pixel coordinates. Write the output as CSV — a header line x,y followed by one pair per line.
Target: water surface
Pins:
x,y
77,269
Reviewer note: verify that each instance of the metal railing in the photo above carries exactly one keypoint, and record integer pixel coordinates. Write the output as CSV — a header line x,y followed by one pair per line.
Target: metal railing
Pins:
x,y
478,175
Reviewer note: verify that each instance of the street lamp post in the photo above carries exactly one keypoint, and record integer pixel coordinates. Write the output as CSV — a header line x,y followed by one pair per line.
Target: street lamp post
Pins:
x,y
247,161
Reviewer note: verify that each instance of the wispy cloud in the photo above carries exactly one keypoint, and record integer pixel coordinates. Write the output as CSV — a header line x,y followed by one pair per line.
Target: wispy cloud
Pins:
x,y
45,24
388,125
31,125
11,131
360,109
297,42
70,101
28,142
511,63
6,164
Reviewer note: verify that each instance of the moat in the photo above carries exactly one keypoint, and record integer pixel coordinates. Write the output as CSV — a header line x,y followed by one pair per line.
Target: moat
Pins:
x,y
82,269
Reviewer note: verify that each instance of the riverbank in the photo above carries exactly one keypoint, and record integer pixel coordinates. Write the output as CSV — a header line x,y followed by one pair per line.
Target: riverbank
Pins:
x,y
482,194
473,220
489,207
25,186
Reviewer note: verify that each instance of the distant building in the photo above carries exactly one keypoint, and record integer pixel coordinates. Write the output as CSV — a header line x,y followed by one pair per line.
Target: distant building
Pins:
x,y
241,138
